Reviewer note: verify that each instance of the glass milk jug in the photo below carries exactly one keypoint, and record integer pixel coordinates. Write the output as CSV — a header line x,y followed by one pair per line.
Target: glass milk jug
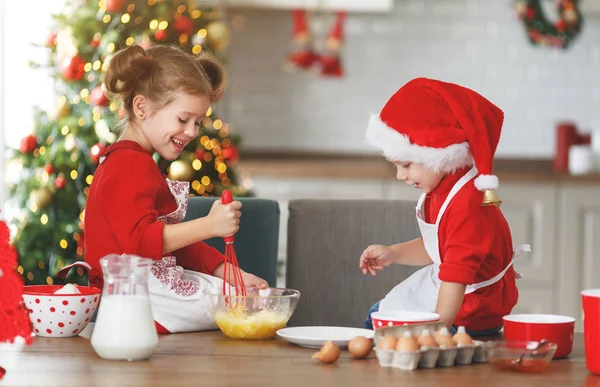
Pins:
x,y
124,328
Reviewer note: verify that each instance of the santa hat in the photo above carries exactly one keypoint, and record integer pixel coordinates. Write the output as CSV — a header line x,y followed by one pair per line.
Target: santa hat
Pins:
x,y
337,30
441,125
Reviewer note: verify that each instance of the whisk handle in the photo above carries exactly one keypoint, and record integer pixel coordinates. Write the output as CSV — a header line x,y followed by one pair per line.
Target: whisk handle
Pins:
x,y
226,198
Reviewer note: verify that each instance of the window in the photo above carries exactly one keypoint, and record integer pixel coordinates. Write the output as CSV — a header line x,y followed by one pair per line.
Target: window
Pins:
x,y
22,87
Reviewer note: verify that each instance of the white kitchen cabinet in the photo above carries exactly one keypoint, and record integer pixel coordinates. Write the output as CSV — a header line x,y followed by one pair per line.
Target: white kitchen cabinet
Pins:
x,y
578,247
530,210
538,301
560,220
320,5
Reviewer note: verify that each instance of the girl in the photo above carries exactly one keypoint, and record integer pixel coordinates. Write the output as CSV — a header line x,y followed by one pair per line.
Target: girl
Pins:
x,y
442,138
133,209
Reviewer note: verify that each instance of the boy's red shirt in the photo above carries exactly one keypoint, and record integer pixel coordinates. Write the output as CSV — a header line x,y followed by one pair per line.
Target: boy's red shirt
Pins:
x,y
475,244
127,196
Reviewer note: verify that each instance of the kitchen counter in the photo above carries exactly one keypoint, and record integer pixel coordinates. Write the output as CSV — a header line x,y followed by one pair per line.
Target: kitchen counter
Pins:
x,y
207,358
303,165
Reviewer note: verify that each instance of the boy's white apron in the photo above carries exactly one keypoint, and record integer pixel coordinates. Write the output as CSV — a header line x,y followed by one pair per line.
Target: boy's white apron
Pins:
x,y
176,294
419,292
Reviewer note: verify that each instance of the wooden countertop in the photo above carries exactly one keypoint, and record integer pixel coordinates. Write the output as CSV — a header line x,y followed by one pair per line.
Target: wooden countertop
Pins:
x,y
208,358
304,165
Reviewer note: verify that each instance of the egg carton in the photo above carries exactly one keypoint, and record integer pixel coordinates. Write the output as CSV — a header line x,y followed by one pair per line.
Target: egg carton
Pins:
x,y
427,357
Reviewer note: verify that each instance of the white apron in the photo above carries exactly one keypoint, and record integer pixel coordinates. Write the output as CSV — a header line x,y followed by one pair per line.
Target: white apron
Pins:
x,y
176,294
419,292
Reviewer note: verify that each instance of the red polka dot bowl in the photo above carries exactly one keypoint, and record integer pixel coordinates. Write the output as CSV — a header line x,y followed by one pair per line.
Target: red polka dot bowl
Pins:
x,y
60,315
399,317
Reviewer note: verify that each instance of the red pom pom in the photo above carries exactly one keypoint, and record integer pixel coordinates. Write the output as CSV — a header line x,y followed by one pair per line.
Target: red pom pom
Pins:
x,y
231,153
160,35
98,97
72,69
51,40
28,144
184,25
49,168
95,152
115,5
60,182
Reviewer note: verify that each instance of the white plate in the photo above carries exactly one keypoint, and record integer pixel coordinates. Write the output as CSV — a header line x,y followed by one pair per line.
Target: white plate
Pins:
x,y
314,337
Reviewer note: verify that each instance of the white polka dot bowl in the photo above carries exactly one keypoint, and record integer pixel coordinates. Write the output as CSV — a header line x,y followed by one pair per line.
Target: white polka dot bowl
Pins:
x,y
60,315
401,317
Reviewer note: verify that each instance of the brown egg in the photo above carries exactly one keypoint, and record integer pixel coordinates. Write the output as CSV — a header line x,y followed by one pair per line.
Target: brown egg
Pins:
x,y
426,340
329,353
360,347
462,337
387,342
444,338
407,343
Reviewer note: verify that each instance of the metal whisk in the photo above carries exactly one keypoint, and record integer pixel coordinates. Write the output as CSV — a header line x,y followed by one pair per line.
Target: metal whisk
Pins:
x,y
233,273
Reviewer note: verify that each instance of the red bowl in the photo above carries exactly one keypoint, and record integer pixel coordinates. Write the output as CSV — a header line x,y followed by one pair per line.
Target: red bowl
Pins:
x,y
394,318
535,327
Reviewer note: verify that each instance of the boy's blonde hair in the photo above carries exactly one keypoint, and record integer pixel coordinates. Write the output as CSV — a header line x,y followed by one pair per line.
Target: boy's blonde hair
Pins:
x,y
160,73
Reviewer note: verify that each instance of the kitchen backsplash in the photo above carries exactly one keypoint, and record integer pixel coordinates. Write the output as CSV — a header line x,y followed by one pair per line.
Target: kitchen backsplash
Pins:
x,y
477,43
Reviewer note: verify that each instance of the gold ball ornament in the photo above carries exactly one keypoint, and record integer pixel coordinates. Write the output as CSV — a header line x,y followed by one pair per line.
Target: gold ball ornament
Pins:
x,y
59,111
62,110
41,197
181,170
218,36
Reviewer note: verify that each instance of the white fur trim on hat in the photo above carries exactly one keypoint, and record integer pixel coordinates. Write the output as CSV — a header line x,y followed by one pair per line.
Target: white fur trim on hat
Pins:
x,y
483,182
397,147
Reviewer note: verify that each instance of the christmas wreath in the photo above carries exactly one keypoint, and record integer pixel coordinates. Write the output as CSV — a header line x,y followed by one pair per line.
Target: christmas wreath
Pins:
x,y
544,32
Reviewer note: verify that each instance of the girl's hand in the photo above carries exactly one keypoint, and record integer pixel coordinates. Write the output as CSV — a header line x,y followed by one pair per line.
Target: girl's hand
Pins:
x,y
225,218
250,280
375,258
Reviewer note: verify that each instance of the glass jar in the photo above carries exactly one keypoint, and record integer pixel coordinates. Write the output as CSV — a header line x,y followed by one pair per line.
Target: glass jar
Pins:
x,y
124,328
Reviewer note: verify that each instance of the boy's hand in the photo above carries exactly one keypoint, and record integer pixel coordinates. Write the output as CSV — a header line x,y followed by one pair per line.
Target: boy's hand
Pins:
x,y
375,258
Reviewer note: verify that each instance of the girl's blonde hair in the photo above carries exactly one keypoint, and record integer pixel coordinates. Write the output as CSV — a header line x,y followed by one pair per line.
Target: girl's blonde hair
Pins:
x,y
160,73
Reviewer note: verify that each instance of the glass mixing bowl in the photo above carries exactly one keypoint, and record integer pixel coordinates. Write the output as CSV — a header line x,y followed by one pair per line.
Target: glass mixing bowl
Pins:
x,y
256,316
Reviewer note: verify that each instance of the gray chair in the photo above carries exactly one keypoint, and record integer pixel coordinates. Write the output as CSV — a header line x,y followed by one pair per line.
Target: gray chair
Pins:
x,y
256,242
325,241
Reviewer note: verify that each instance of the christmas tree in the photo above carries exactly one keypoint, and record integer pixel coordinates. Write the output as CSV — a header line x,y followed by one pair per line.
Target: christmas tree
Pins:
x,y
58,159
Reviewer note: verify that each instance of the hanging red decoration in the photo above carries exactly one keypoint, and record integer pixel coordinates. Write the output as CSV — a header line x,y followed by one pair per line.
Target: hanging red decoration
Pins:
x,y
330,63
301,55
